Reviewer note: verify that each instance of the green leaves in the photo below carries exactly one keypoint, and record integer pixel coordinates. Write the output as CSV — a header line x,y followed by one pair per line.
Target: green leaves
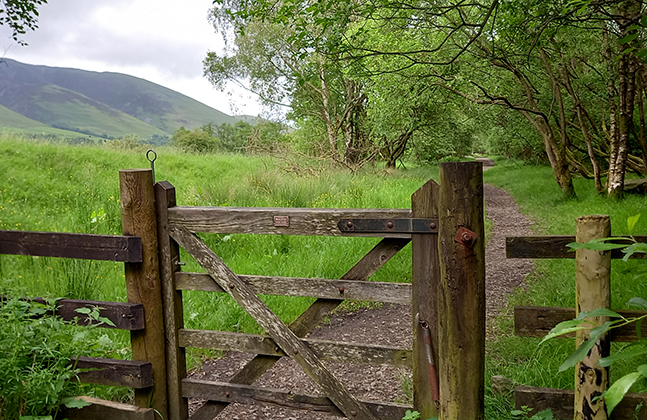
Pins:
x,y
584,349
620,387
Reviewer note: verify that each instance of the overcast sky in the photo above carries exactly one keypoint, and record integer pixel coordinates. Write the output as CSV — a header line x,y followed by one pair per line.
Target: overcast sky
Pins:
x,y
163,41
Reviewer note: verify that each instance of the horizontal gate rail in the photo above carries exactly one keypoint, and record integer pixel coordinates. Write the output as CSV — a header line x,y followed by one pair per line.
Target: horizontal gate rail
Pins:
x,y
537,321
324,349
127,373
553,247
247,394
279,220
296,286
71,245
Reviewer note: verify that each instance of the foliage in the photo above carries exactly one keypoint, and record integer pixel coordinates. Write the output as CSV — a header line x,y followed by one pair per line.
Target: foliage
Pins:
x,y
127,142
635,350
524,411
36,349
20,16
414,415
200,140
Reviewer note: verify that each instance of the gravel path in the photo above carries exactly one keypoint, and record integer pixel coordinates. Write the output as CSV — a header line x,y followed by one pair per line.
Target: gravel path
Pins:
x,y
389,325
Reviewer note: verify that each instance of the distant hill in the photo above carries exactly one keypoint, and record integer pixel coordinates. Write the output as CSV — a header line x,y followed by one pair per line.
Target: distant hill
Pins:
x,y
99,104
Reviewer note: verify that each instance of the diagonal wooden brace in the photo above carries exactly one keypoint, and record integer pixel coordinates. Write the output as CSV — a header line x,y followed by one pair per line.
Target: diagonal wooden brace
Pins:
x,y
308,320
280,333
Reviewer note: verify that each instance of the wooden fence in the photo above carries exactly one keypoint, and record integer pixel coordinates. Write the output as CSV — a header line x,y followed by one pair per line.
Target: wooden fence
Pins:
x,y
444,225
593,276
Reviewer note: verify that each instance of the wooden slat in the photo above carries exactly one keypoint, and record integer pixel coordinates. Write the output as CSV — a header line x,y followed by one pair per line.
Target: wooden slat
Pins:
x,y
129,373
537,321
295,286
125,316
106,410
379,255
552,247
246,394
266,319
561,401
259,220
324,349
71,245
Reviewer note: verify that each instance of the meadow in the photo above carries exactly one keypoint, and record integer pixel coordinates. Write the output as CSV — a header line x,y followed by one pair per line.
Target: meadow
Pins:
x,y
53,187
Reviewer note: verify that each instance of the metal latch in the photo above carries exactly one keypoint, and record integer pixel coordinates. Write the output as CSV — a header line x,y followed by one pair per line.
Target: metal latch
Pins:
x,y
404,225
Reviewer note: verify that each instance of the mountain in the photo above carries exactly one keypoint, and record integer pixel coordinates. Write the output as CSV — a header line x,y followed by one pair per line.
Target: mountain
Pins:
x,y
101,104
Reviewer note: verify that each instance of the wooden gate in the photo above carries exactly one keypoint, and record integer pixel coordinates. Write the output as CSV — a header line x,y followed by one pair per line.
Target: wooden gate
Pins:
x,y
445,226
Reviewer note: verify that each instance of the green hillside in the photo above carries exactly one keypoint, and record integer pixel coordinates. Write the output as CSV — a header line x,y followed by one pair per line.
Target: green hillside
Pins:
x,y
14,123
98,102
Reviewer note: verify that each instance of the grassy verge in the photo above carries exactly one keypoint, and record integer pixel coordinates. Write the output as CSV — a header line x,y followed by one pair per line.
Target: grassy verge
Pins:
x,y
553,282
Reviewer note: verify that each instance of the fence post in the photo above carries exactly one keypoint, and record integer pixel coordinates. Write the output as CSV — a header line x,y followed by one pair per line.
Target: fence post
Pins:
x,y
425,279
143,282
593,290
461,297
169,256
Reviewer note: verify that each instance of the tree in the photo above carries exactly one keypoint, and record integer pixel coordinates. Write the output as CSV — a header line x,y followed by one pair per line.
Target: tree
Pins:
x,y
20,16
572,71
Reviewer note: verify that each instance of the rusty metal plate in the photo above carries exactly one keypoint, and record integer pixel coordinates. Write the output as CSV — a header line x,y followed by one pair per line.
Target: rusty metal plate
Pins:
x,y
465,236
408,225
281,221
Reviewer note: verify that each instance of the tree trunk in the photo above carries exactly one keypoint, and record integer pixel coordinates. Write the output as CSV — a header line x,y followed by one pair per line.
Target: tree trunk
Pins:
x,y
396,149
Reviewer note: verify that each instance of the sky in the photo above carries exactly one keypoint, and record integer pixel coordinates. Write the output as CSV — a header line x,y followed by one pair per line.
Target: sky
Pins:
x,y
163,41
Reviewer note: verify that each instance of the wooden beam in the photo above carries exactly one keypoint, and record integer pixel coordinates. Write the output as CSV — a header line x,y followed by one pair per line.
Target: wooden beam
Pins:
x,y
125,316
277,221
169,259
324,349
295,286
561,402
129,373
552,247
379,255
143,283
537,321
425,281
71,245
272,324
106,410
461,292
246,394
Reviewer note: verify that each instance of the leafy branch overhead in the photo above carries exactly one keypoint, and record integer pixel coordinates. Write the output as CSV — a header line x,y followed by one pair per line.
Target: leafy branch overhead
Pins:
x,y
20,16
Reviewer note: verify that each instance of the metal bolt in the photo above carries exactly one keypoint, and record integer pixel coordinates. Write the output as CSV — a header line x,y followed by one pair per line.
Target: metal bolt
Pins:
x,y
180,263
353,413
341,290
232,285
432,225
227,394
389,225
296,351
349,224
466,237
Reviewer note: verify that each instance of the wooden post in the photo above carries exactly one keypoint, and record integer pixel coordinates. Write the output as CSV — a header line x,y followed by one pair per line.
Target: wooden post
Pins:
x,y
461,297
425,279
143,283
593,290
169,256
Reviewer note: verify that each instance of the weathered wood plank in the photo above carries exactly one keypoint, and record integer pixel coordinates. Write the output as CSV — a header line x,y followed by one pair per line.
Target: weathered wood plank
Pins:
x,y
552,247
71,245
129,373
425,280
537,321
246,394
106,410
324,349
561,402
461,292
379,255
269,221
296,286
125,316
169,258
593,290
143,283
282,335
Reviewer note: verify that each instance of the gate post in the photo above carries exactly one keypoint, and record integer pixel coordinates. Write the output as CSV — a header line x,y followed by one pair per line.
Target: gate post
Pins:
x,y
143,283
425,279
593,290
461,293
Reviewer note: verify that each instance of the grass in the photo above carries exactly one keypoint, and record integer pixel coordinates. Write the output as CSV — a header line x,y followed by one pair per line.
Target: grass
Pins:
x,y
50,187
